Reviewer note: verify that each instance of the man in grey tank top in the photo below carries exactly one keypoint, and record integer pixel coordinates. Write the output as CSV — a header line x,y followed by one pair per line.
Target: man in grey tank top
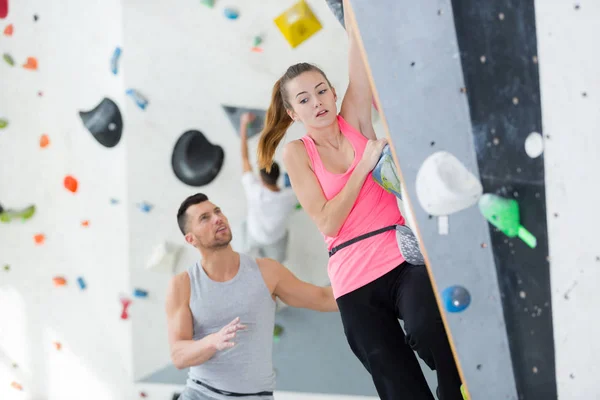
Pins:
x,y
221,311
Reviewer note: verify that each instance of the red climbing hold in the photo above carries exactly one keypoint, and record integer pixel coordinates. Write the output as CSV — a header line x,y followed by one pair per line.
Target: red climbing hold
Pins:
x,y
44,141
8,31
125,302
59,281
3,8
39,238
31,63
143,394
71,183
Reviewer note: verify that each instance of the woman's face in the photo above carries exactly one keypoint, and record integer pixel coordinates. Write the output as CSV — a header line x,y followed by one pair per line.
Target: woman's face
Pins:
x,y
312,100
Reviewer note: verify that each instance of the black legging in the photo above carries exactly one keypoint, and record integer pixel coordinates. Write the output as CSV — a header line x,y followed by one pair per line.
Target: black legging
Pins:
x,y
370,317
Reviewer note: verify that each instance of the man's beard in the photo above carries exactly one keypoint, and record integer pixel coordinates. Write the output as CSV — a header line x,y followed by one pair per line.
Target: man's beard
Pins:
x,y
219,243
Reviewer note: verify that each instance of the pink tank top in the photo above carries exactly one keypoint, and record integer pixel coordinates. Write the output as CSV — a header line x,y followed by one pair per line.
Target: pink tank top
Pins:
x,y
362,262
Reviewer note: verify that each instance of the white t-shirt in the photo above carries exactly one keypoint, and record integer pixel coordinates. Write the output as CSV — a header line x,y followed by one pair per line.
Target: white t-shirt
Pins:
x,y
268,211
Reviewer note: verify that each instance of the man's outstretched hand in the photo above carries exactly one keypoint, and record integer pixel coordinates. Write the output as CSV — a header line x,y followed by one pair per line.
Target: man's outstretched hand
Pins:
x,y
223,338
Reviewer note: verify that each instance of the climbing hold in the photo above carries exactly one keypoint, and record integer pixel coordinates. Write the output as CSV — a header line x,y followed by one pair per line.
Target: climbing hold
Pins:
x,y
70,183
143,394
59,281
39,238
81,283
8,31
208,3
140,293
337,8
534,145
298,206
504,215
31,64
234,114
3,8
195,160
256,42
286,180
14,384
463,391
164,257
139,99
298,23
231,13
85,223
6,267
385,174
125,302
277,331
40,93
35,18
145,207
456,298
3,123
9,60
44,141
114,60
104,122
57,345
7,215
444,185
114,201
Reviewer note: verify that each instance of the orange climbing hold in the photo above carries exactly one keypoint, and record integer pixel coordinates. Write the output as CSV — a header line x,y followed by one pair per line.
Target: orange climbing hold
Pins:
x,y
44,141
31,63
71,183
17,386
85,223
59,281
57,345
40,238
8,31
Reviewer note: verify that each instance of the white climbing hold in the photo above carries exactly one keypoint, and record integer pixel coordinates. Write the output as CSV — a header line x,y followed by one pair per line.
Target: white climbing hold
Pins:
x,y
164,257
534,145
445,186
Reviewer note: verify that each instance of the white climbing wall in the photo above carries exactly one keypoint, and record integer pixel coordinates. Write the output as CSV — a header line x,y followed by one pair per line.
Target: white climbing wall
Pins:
x,y
188,60
570,87
72,41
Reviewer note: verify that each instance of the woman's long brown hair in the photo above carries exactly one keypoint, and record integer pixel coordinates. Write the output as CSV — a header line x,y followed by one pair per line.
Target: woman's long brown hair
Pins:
x,y
277,121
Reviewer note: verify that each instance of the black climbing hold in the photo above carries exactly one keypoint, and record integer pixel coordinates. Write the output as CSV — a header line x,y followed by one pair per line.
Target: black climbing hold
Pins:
x,y
104,122
196,161
337,8
35,17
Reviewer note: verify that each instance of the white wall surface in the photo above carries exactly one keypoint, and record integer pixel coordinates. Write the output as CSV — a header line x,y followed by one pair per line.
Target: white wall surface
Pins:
x,y
187,59
572,142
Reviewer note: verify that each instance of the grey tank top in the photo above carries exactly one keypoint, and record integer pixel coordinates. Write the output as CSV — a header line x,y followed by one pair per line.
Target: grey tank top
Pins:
x,y
248,366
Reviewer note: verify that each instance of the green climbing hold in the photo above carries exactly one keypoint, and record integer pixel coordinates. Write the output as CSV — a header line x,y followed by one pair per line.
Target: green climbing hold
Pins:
x,y
208,3
298,206
9,60
6,267
277,331
3,123
257,41
25,214
504,215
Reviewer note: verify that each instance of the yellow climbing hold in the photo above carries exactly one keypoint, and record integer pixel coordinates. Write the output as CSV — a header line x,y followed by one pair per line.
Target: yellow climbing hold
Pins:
x,y
298,23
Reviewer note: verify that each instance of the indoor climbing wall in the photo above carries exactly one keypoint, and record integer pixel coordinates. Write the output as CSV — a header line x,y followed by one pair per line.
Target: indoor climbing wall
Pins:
x,y
570,98
63,264
472,124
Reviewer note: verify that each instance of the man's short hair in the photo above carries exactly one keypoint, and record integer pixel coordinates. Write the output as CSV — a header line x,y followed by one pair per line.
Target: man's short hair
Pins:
x,y
187,203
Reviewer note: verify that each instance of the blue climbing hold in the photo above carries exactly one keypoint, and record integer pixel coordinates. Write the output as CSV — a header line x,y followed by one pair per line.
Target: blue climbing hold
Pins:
x,y
81,283
140,293
145,207
385,173
139,98
286,180
231,13
114,60
456,299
